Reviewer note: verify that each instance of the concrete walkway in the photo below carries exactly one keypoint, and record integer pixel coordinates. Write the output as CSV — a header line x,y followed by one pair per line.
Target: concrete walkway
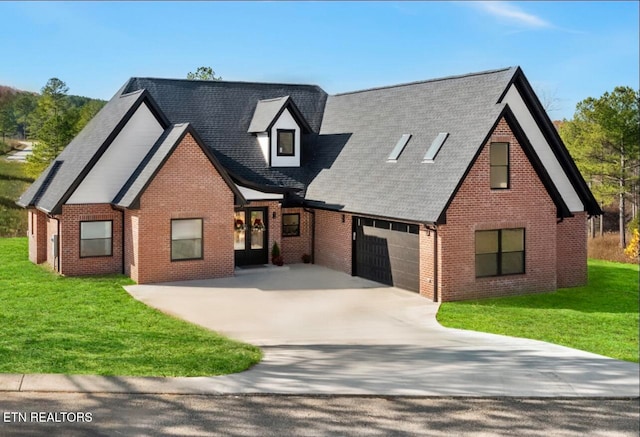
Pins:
x,y
21,155
325,332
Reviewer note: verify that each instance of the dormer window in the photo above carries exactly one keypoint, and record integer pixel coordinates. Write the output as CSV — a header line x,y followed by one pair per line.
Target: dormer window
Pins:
x,y
286,142
278,126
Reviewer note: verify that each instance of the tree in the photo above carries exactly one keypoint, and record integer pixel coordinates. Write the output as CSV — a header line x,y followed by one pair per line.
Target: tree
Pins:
x,y
54,123
603,138
8,123
23,106
203,73
87,112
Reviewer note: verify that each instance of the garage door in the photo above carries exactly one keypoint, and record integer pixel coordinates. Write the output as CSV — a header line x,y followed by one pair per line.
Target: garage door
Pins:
x,y
387,252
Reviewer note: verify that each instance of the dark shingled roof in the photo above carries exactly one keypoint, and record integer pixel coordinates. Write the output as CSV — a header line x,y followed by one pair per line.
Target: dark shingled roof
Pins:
x,y
361,180
347,140
221,113
77,155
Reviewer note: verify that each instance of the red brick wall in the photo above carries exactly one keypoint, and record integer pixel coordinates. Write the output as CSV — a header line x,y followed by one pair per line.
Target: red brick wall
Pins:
x,y
525,204
187,186
70,262
333,240
294,247
37,236
427,279
572,251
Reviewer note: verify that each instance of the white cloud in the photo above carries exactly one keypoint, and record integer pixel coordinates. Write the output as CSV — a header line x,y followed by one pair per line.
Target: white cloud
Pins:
x,y
512,13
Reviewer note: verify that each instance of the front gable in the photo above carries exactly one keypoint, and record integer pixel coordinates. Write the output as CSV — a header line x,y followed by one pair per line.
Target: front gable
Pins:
x,y
120,159
156,159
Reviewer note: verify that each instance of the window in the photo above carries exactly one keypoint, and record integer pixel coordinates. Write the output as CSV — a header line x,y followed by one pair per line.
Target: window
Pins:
x,y
499,252
96,238
286,140
186,239
499,155
290,225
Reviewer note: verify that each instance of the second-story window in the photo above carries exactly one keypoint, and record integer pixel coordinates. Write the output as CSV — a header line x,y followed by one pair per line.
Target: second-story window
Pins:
x,y
286,142
499,157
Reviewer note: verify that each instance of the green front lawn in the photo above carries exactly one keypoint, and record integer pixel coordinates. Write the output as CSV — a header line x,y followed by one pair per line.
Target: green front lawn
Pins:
x,y
601,317
52,324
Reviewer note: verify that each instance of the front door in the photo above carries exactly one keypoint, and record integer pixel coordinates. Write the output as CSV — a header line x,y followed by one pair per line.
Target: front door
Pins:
x,y
250,236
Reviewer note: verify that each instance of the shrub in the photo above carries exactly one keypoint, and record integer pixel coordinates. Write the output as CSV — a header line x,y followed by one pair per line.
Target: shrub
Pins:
x,y
632,251
275,252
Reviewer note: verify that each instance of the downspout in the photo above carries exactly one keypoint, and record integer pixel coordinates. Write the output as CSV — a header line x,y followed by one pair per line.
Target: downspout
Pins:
x,y
435,264
59,240
122,234
313,234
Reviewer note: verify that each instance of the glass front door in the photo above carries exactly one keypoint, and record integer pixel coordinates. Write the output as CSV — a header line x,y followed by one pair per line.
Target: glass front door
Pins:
x,y
250,236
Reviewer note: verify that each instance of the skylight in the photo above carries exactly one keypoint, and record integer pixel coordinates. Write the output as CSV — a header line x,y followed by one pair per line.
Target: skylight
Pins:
x,y
433,150
397,150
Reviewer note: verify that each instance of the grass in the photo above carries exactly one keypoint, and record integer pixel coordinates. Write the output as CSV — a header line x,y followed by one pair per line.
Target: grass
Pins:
x,y
13,182
601,317
53,324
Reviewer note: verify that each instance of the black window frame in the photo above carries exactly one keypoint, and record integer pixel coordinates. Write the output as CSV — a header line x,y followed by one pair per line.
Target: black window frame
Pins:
x,y
80,239
293,141
297,234
171,240
501,252
507,166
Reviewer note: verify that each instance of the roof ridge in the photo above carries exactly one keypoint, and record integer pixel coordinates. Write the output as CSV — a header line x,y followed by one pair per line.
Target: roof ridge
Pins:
x,y
438,79
242,82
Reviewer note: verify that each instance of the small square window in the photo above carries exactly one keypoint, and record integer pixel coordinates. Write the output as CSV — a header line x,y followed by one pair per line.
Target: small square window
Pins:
x,y
290,225
286,142
96,238
186,239
499,157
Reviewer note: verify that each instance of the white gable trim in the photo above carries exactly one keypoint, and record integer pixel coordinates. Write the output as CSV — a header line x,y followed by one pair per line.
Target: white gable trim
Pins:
x,y
251,194
122,157
543,149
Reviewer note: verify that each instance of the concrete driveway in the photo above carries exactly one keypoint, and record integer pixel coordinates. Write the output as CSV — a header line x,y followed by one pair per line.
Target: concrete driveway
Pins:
x,y
325,332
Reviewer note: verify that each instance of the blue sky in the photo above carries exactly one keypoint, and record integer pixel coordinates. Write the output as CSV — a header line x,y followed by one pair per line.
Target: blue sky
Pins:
x,y
568,50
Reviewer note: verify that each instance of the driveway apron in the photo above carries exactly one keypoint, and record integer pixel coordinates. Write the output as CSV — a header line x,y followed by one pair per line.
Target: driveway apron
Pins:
x,y
325,332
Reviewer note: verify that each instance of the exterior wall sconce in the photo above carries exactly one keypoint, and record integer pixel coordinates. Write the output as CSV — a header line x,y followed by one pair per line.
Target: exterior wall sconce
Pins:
x,y
273,214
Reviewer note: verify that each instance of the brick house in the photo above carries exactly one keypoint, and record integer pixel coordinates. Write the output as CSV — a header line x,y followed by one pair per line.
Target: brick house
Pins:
x,y
455,188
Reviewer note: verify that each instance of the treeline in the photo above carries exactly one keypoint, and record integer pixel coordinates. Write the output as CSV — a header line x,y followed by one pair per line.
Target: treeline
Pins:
x,y
604,139
51,119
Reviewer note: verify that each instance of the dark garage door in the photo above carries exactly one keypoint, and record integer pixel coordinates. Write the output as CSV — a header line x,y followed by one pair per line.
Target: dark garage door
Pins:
x,y
387,252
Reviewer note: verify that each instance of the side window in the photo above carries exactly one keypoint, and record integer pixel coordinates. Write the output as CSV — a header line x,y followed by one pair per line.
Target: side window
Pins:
x,y
500,252
499,156
96,238
186,239
290,225
286,142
